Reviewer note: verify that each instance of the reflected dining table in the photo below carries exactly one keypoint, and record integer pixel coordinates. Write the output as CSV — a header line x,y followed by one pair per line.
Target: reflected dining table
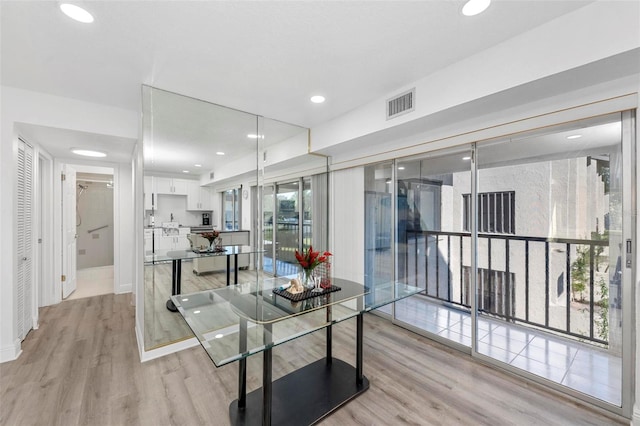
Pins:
x,y
177,256
238,321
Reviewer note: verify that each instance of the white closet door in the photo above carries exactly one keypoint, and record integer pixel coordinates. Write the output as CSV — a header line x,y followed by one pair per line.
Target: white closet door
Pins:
x,y
25,239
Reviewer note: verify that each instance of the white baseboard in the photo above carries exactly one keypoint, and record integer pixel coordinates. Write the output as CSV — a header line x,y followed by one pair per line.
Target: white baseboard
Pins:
x,y
635,419
11,352
124,288
163,350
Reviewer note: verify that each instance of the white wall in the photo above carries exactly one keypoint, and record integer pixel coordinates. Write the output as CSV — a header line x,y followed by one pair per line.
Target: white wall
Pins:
x,y
560,45
94,210
21,106
346,223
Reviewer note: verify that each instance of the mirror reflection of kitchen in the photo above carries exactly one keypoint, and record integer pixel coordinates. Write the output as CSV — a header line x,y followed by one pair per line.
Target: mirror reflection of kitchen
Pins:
x,y
202,175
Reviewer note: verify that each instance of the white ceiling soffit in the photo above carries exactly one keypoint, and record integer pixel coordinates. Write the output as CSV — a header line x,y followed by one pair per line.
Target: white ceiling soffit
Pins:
x,y
266,58
58,143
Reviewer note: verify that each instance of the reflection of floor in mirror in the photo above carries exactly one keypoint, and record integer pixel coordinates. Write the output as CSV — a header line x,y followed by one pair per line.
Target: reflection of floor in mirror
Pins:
x,y
161,326
93,282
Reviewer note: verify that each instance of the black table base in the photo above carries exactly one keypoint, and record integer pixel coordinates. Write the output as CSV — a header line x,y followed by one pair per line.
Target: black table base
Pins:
x,y
176,280
304,396
176,272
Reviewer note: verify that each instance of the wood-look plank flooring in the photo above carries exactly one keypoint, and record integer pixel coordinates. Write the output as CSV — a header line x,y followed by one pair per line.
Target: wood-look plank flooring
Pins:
x,y
81,367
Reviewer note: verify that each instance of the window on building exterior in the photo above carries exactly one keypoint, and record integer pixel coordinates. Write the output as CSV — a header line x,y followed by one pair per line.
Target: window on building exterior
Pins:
x,y
496,212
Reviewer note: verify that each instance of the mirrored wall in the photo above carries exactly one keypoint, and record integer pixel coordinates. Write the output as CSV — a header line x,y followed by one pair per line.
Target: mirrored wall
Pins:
x,y
205,168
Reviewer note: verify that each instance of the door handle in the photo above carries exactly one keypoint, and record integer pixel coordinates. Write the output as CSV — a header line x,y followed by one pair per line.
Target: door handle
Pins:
x,y
24,258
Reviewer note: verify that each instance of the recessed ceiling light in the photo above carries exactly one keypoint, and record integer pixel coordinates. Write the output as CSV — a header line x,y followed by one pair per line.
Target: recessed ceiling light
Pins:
x,y
197,165
196,312
317,99
219,153
466,158
401,168
574,136
252,136
76,13
185,171
219,336
474,7
88,152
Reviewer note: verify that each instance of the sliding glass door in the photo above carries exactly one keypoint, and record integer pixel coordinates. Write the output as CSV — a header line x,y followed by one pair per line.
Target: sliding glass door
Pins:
x,y
433,248
287,226
295,218
522,248
550,241
268,212
378,227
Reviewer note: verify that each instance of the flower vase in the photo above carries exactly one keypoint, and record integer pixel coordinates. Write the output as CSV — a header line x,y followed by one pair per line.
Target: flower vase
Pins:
x,y
306,278
218,244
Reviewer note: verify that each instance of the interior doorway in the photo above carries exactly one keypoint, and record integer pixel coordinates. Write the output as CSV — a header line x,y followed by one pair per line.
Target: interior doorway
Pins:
x,y
91,221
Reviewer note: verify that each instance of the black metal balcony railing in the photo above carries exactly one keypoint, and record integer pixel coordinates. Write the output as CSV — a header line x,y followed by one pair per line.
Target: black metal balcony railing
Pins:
x,y
436,248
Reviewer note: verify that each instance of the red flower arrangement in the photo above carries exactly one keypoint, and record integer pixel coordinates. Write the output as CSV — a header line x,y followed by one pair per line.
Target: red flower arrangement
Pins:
x,y
309,259
211,236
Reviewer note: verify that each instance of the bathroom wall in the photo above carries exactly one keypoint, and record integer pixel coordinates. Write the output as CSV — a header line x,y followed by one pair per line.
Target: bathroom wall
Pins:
x,y
94,213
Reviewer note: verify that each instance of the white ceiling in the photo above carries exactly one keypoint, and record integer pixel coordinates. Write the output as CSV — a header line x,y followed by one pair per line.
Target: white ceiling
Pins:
x,y
264,57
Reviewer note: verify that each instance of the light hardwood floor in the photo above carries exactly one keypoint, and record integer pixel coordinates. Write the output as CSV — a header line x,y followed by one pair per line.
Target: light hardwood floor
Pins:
x,y
162,326
81,367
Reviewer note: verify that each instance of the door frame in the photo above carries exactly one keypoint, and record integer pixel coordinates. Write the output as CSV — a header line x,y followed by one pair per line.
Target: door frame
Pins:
x,y
57,222
69,229
44,255
629,233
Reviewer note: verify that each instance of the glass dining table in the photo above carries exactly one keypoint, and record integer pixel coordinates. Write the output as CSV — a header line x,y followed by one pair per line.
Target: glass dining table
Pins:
x,y
235,322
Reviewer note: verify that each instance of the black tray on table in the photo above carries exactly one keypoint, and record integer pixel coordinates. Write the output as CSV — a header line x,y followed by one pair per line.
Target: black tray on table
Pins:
x,y
307,294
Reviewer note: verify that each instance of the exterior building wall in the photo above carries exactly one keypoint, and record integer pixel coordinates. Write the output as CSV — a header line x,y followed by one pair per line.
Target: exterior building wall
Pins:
x,y
553,199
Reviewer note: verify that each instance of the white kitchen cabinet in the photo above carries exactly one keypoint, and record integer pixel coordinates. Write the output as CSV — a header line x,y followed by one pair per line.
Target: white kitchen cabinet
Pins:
x,y
148,241
170,186
198,197
173,241
149,197
235,238
183,242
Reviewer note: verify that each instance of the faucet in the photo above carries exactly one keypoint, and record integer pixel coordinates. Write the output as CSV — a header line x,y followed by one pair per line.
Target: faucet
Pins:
x,y
171,218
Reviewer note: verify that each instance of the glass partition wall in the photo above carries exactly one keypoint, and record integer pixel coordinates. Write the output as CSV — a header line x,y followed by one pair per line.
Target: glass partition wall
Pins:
x,y
519,244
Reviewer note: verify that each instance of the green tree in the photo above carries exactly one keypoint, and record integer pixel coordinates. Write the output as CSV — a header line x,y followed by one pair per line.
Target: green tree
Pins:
x,y
580,273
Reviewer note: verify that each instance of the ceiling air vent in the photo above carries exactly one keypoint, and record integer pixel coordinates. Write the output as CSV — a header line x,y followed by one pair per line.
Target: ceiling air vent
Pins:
x,y
401,104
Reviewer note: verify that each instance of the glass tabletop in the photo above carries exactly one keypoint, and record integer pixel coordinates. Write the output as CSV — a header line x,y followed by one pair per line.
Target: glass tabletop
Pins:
x,y
167,255
241,320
